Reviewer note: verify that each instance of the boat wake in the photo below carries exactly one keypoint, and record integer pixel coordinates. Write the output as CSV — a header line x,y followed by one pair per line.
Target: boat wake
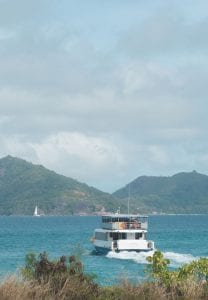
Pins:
x,y
139,257
176,259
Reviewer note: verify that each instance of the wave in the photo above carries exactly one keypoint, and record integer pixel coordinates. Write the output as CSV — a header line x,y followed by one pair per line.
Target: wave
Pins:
x,y
139,257
176,259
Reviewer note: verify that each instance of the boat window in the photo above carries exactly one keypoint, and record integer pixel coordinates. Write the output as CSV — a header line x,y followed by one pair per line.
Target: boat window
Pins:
x,y
122,236
118,235
115,236
138,235
123,219
106,219
114,219
101,236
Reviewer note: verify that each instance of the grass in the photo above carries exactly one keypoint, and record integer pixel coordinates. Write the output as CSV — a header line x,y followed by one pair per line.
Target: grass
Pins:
x,y
14,289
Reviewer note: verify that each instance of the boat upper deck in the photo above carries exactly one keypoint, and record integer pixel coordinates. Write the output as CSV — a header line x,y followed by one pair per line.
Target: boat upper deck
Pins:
x,y
121,221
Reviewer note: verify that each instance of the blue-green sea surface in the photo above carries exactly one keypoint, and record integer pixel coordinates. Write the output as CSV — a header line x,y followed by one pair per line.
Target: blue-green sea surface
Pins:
x,y
182,238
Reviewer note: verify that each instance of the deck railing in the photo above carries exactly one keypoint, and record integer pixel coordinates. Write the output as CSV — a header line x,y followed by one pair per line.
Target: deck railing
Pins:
x,y
125,225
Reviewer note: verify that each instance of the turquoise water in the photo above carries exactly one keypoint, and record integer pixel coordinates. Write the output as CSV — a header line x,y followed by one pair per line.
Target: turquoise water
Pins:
x,y
181,239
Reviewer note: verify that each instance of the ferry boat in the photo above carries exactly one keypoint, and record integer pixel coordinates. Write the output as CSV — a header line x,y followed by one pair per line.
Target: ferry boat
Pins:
x,y
122,232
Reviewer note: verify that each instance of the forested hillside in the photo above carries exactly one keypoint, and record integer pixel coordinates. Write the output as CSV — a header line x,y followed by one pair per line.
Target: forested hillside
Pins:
x,y
180,193
24,185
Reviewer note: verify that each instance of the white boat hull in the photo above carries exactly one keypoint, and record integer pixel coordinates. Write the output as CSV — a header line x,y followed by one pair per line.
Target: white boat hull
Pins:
x,y
123,245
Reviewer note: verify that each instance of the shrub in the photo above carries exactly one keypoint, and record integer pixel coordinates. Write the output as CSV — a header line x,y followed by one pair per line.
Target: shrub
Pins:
x,y
187,282
63,277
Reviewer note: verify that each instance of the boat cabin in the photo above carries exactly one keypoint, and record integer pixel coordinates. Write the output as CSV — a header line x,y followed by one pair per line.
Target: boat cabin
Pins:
x,y
103,235
122,222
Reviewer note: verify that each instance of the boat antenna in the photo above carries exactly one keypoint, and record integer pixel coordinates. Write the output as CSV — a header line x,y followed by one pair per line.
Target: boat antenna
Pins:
x,y
129,199
118,211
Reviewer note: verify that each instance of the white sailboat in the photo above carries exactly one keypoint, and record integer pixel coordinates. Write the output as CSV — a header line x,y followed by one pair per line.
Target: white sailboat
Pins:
x,y
36,212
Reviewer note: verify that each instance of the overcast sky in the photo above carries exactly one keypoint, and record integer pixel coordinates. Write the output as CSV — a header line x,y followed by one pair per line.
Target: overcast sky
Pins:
x,y
105,91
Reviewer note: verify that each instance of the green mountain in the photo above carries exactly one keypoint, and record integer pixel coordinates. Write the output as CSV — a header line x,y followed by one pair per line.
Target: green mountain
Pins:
x,y
24,185
180,193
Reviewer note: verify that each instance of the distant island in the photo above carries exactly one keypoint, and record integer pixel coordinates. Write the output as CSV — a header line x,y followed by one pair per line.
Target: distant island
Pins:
x,y
24,185
182,193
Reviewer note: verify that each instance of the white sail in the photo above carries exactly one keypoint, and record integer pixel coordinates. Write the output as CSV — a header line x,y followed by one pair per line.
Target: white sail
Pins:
x,y
36,212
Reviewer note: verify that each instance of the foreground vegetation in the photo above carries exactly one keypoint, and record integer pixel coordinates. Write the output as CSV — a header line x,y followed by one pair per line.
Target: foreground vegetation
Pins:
x,y
65,279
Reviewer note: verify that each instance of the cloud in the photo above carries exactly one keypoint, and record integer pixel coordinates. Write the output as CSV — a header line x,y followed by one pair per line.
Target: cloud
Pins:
x,y
104,92
166,35
93,150
84,157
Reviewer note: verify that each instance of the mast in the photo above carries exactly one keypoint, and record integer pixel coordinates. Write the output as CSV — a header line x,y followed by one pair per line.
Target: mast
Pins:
x,y
129,199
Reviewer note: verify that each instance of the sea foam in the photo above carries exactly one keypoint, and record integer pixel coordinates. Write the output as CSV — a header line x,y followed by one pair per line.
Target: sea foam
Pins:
x,y
176,259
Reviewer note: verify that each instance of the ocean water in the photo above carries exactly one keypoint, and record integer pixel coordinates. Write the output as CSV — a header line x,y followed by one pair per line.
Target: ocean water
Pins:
x,y
182,238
